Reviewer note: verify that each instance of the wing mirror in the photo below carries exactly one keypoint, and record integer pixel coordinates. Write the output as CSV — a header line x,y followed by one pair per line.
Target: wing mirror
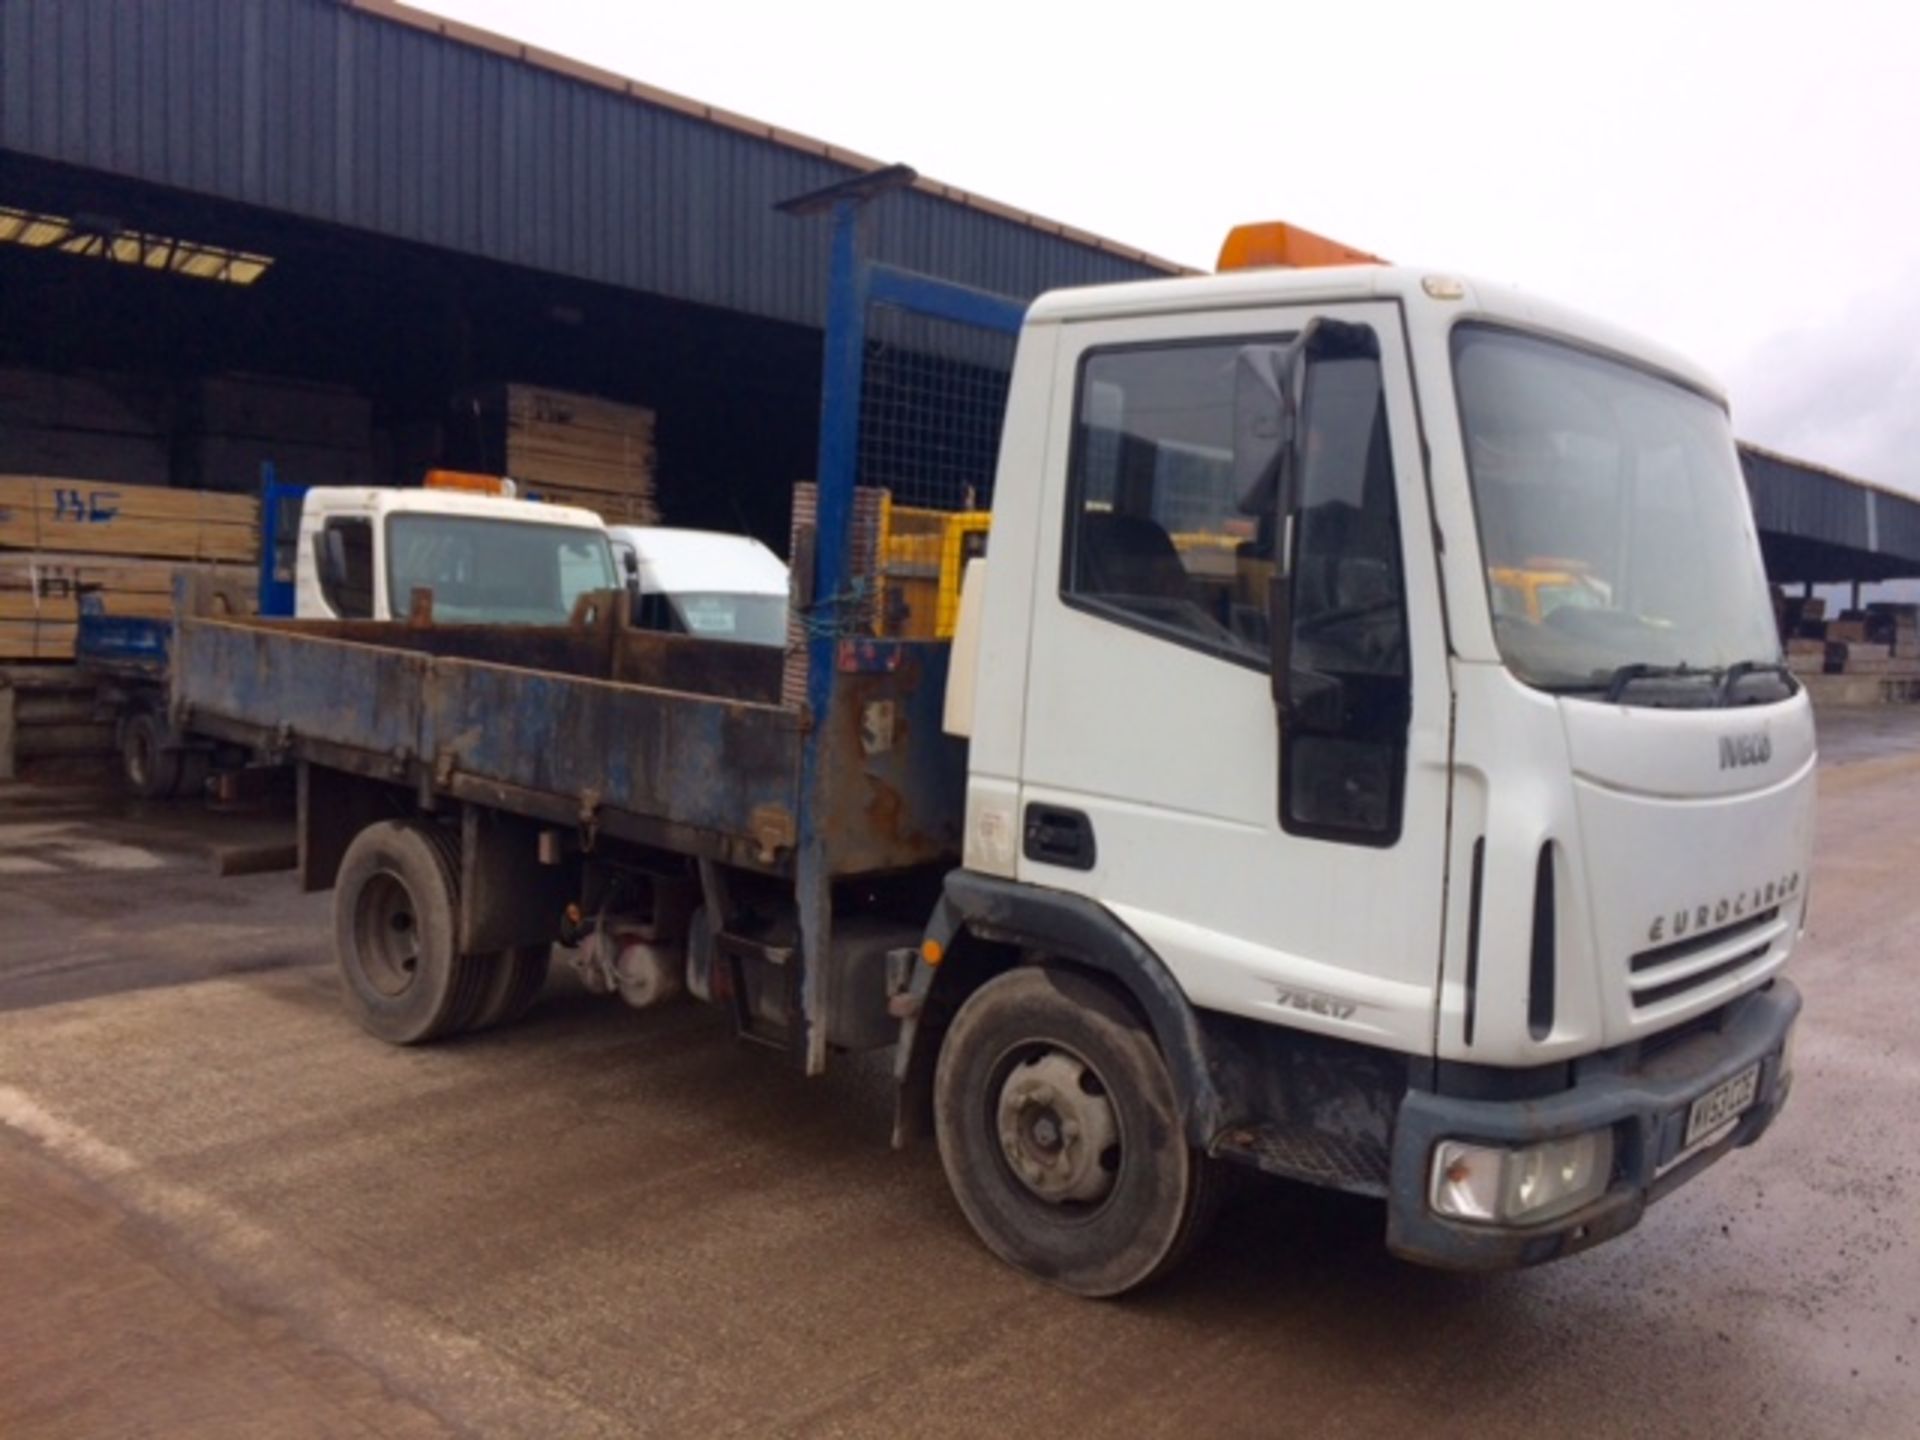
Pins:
x,y
1271,445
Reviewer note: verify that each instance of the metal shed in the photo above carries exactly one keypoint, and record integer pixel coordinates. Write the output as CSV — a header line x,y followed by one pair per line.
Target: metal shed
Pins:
x,y
383,119
1818,526
440,209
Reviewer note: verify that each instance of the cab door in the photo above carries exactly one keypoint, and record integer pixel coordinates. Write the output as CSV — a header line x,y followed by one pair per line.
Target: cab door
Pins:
x,y
1284,860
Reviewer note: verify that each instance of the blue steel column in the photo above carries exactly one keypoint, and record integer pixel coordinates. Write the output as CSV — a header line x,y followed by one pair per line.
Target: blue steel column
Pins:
x,y
833,523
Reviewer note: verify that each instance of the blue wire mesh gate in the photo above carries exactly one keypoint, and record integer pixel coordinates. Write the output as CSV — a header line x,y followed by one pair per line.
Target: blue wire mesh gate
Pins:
x,y
913,390
932,396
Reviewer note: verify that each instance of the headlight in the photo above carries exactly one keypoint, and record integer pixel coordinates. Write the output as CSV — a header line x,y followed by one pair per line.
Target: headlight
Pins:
x,y
1498,1186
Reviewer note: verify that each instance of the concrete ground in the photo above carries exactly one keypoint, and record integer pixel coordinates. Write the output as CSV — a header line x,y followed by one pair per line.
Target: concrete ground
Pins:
x,y
226,1212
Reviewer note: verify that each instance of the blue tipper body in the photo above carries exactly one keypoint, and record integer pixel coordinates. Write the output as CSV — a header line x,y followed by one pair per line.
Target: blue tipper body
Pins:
x,y
586,725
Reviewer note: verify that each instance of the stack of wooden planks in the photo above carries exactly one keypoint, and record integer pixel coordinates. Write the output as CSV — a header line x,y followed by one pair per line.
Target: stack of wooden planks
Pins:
x,y
1861,657
99,426
579,450
310,434
858,612
61,538
52,724
1897,626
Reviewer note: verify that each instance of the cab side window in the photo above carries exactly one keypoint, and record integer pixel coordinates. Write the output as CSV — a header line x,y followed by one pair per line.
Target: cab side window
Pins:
x,y
1155,537
343,560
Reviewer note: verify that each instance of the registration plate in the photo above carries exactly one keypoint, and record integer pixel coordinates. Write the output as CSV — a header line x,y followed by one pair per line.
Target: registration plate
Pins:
x,y
1726,1102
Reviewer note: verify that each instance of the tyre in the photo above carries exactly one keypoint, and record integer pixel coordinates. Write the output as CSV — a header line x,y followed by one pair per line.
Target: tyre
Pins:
x,y
196,767
152,771
514,979
1061,1135
395,916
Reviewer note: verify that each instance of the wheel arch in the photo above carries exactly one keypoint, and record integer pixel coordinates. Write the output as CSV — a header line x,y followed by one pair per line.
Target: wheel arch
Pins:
x,y
983,926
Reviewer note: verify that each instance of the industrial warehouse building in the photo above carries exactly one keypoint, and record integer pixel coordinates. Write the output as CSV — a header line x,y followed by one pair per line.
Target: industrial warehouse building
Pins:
x,y
342,228
331,236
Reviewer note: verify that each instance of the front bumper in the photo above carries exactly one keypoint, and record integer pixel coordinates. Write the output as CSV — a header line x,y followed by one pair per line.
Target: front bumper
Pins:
x,y
1642,1093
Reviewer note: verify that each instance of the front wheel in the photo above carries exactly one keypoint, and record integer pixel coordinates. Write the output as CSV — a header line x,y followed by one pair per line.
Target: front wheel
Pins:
x,y
1061,1134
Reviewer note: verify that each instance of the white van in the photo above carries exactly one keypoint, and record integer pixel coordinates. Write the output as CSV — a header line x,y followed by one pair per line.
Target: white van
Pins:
x,y
701,582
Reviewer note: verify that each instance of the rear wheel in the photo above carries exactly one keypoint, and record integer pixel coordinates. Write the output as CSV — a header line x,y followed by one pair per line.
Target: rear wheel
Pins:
x,y
395,913
152,771
514,980
1061,1134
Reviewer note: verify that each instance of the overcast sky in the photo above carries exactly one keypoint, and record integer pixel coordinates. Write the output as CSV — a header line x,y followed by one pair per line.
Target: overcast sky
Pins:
x,y
1738,180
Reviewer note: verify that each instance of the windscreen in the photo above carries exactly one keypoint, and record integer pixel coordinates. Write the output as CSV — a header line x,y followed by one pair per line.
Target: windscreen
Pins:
x,y
745,619
1613,519
494,572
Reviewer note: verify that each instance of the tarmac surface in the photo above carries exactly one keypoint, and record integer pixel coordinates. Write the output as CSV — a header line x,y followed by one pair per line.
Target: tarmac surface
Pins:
x,y
224,1211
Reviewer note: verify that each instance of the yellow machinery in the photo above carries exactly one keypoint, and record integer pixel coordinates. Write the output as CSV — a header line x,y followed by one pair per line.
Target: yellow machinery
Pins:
x,y
923,556
1534,590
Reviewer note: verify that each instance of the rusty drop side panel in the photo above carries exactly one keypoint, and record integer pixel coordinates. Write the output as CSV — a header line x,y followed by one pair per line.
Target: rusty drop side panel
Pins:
x,y
281,682
896,781
694,759
597,752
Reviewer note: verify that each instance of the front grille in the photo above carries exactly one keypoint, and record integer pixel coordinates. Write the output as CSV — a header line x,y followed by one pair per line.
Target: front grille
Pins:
x,y
1699,977
1709,940
1671,970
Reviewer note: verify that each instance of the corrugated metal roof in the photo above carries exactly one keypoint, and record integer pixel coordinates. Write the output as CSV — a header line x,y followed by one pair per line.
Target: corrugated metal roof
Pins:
x,y
374,116
1817,524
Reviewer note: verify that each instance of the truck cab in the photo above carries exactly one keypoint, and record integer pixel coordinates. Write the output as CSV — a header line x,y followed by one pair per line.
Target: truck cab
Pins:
x,y
487,559
1480,907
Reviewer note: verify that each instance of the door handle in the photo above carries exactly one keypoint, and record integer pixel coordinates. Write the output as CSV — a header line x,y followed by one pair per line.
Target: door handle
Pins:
x,y
1055,836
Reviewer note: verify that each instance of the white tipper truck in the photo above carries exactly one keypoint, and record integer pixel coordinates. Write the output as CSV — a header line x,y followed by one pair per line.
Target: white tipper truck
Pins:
x,y
1275,833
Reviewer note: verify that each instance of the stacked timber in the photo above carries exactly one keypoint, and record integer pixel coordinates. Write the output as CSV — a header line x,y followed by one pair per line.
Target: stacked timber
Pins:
x,y
94,427
52,724
61,539
1896,626
310,434
854,609
1860,657
1881,641
573,450
1800,617
1806,657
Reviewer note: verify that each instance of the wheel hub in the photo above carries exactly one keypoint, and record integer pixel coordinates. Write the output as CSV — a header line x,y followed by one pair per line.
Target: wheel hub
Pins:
x,y
1057,1128
389,935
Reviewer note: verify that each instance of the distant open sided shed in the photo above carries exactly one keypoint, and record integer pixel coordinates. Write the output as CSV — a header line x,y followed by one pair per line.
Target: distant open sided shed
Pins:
x,y
1818,526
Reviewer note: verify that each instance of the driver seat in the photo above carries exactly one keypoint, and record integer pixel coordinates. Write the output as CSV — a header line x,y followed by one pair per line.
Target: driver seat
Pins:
x,y
1128,555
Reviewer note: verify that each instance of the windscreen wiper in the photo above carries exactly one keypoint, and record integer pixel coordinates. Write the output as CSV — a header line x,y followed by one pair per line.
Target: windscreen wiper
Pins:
x,y
1740,669
1627,676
